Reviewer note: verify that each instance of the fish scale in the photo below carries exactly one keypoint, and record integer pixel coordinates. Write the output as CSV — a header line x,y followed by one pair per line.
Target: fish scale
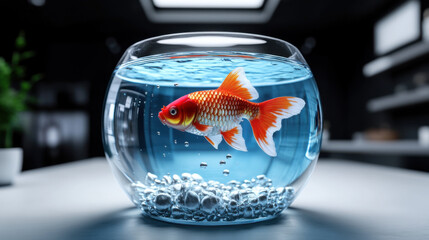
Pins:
x,y
211,105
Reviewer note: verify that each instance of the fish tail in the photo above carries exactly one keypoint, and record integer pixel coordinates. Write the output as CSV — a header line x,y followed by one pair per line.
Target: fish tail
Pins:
x,y
268,121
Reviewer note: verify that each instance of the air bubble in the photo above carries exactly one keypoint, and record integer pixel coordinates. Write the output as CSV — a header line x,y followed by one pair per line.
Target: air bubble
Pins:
x,y
175,141
203,165
158,133
222,162
228,156
176,84
157,86
186,144
226,172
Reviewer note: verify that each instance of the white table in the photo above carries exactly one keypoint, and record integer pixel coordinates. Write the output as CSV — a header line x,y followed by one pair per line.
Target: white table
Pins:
x,y
343,200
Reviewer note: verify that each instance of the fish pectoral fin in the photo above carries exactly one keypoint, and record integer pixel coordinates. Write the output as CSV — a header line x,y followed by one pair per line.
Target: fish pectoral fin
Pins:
x,y
201,127
214,140
237,84
234,138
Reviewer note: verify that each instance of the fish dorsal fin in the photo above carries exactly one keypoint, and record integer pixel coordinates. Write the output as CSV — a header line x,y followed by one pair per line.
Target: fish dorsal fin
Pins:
x,y
237,84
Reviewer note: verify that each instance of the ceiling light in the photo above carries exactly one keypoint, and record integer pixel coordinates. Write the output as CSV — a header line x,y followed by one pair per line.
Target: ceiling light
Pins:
x,y
205,11
243,4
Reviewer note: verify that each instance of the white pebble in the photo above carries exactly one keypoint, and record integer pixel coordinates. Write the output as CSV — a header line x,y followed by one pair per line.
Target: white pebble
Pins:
x,y
196,177
186,176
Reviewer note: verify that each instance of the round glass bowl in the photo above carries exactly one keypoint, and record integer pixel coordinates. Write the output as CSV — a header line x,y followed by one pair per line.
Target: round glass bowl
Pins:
x,y
212,128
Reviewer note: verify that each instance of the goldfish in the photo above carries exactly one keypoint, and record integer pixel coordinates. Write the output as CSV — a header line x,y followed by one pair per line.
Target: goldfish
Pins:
x,y
217,114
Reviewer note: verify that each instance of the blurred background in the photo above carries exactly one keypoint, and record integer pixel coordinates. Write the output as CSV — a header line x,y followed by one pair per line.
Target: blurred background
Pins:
x,y
370,59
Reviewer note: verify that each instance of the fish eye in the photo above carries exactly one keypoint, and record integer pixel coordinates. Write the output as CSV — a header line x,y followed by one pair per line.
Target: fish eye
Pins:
x,y
173,111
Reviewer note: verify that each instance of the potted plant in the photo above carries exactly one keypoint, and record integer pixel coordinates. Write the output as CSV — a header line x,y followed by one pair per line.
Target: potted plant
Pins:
x,y
14,88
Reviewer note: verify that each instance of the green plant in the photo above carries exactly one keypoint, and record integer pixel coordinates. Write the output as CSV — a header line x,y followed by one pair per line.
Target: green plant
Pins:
x,y
14,89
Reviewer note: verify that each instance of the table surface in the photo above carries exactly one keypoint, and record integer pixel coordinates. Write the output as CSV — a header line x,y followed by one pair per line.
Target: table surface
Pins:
x,y
343,200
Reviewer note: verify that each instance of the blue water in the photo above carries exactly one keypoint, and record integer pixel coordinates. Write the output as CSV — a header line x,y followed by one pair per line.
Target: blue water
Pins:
x,y
153,157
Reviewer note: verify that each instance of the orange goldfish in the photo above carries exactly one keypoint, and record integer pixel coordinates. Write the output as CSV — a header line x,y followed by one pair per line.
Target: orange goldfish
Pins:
x,y
217,114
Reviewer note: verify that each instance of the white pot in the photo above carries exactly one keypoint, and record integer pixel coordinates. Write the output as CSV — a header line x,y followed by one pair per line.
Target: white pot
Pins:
x,y
10,164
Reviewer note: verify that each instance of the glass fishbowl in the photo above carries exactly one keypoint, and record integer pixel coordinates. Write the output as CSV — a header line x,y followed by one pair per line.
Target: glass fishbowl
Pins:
x,y
212,128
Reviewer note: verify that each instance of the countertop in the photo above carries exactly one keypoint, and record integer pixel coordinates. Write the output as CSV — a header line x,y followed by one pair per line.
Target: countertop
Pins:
x,y
343,200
